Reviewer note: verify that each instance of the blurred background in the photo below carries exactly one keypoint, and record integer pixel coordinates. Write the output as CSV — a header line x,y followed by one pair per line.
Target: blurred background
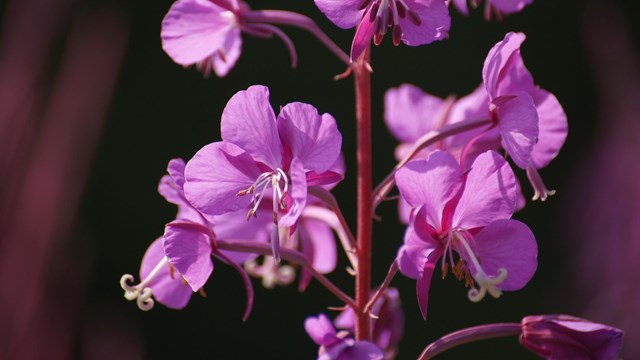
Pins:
x,y
91,111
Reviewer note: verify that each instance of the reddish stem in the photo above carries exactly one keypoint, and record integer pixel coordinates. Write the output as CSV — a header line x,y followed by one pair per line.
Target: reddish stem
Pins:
x,y
362,79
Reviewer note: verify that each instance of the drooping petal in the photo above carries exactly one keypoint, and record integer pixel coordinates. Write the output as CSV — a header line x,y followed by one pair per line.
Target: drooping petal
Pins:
x,y
410,113
518,126
343,13
248,121
363,35
500,55
433,183
175,169
510,6
553,128
489,194
422,287
227,56
296,198
312,138
193,30
507,244
215,175
167,290
434,22
320,330
188,247
318,244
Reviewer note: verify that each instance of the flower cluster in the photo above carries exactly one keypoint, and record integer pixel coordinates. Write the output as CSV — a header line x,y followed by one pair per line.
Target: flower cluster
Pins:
x,y
264,188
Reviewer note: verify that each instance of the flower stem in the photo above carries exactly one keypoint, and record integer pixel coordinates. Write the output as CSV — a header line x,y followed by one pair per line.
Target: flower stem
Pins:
x,y
362,77
289,18
464,336
287,254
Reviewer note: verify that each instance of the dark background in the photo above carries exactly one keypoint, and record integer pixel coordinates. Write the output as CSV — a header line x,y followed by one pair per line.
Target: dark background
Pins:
x,y
160,111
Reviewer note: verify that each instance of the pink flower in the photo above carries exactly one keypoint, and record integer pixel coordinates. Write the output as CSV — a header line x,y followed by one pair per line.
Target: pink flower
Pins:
x,y
263,157
338,346
466,213
414,22
568,337
498,7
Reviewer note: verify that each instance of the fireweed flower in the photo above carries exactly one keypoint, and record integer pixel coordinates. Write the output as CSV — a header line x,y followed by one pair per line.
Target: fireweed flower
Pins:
x,y
568,337
262,157
338,346
179,263
414,22
497,7
466,212
387,323
207,33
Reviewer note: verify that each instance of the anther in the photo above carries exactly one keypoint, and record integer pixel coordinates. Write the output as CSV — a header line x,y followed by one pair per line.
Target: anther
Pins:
x,y
414,18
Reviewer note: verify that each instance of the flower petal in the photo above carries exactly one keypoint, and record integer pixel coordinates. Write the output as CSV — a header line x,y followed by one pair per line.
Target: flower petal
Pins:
x,y
188,248
434,22
518,125
192,30
489,193
234,226
318,244
410,113
343,13
248,121
511,245
227,56
167,290
296,198
553,128
462,7
320,330
416,252
510,6
422,287
215,175
363,35
432,183
361,350
503,71
312,138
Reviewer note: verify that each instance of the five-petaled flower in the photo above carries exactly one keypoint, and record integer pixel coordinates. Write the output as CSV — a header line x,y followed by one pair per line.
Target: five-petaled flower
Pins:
x,y
414,22
262,157
466,212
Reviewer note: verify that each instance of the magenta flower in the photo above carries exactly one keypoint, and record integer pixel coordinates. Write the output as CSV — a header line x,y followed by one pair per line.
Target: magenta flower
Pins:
x,y
497,7
338,346
207,33
264,157
179,263
568,337
414,22
466,213
387,325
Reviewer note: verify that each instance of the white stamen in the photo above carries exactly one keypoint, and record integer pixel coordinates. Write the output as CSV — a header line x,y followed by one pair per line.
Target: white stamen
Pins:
x,y
141,293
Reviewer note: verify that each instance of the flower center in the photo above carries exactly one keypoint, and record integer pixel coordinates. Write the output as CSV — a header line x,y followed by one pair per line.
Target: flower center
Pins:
x,y
460,239
387,14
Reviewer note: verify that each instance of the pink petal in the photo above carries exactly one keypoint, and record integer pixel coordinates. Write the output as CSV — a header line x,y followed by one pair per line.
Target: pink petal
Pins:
x,y
297,195
312,138
498,59
511,245
361,350
415,252
510,6
553,128
234,226
188,248
318,244
231,49
343,13
461,5
432,183
170,292
518,125
363,35
320,329
175,168
193,30
489,193
474,106
248,121
422,287
410,113
434,25
215,175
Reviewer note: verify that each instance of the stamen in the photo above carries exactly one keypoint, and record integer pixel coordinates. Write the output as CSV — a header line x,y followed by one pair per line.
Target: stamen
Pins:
x,y
396,35
363,4
414,18
141,293
540,189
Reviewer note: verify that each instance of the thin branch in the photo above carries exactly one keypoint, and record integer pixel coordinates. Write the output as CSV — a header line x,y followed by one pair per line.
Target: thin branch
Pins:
x,y
472,334
393,269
